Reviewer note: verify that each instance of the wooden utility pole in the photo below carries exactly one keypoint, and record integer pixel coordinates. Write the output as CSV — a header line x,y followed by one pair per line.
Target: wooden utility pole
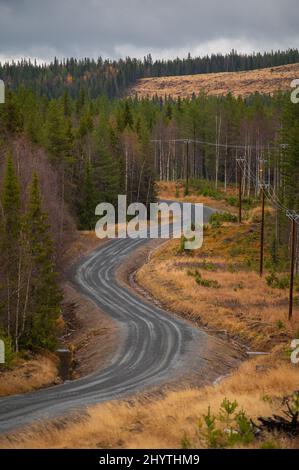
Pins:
x,y
262,233
240,161
126,174
291,301
187,170
218,132
160,161
240,195
262,186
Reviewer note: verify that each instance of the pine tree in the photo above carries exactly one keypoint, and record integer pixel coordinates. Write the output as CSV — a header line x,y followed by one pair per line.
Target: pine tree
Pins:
x,y
88,202
58,134
107,177
67,109
11,201
12,116
127,116
45,296
119,158
107,172
146,192
10,238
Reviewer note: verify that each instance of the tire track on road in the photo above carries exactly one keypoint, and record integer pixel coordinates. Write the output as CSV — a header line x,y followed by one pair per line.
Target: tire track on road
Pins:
x,y
153,345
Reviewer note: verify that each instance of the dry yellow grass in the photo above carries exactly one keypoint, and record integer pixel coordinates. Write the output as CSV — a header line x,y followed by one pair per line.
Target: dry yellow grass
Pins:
x,y
243,304
26,376
173,190
268,80
257,386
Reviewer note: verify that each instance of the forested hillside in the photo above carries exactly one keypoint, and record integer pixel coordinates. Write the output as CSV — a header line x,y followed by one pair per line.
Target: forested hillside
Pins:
x,y
35,227
102,148
112,77
69,154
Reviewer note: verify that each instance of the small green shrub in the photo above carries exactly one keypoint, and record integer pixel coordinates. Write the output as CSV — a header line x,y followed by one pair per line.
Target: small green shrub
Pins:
x,y
206,189
181,248
186,443
203,282
231,268
212,434
249,202
266,398
270,444
236,251
218,218
278,282
274,250
244,433
207,192
227,428
232,201
208,266
280,325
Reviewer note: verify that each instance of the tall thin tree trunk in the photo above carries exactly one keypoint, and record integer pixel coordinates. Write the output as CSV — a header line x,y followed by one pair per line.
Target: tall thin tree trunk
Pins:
x,y
62,205
160,163
24,316
8,307
18,303
139,181
148,191
126,173
218,128
249,170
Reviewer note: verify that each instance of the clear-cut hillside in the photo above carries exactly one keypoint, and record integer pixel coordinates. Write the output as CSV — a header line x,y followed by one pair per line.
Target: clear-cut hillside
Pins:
x,y
266,80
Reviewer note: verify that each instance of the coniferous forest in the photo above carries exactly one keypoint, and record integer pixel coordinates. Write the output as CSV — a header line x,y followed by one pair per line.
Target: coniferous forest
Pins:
x,y
149,231
111,78
77,144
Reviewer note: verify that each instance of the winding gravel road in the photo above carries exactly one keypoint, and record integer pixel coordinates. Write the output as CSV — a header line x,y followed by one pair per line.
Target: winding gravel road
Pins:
x,y
153,345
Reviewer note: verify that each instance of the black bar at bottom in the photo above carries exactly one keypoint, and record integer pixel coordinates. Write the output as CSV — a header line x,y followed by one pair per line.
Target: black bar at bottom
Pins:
x,y
142,458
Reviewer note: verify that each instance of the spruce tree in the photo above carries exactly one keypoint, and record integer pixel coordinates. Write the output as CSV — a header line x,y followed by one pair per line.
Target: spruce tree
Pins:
x,y
125,117
45,295
88,202
107,172
11,201
12,116
119,158
58,134
10,237
145,191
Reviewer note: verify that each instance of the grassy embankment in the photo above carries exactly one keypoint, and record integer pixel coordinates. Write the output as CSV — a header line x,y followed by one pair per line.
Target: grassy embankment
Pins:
x,y
218,287
81,328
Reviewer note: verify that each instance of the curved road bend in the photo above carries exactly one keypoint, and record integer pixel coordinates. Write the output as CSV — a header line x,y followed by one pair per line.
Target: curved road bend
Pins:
x,y
153,344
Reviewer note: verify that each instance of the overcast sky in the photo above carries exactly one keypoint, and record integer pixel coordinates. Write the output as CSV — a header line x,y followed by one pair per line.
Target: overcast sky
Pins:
x,y
43,29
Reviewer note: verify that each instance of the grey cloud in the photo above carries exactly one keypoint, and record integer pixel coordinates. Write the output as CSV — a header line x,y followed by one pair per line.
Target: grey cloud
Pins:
x,y
104,27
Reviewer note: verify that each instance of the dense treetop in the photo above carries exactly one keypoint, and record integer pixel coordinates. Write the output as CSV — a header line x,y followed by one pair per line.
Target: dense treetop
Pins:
x,y
112,77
